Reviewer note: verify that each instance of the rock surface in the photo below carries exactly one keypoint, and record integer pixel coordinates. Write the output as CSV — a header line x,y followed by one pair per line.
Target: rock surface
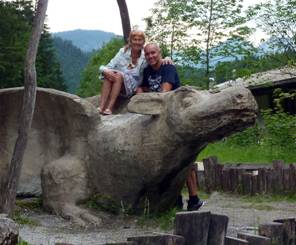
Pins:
x,y
8,231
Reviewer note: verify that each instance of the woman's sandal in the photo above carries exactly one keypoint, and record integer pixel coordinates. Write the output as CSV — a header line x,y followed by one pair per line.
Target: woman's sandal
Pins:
x,y
107,112
100,110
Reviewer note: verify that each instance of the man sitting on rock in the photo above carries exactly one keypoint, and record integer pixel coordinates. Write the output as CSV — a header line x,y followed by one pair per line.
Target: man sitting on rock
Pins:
x,y
160,77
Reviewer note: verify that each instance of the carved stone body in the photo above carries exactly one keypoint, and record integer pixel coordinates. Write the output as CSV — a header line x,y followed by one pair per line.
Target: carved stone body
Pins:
x,y
133,158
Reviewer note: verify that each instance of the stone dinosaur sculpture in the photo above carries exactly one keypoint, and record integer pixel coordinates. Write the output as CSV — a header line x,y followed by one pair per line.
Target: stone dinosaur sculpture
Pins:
x,y
132,158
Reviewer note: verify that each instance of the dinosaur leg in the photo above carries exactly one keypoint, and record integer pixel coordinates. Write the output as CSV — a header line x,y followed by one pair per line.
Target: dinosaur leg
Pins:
x,y
64,184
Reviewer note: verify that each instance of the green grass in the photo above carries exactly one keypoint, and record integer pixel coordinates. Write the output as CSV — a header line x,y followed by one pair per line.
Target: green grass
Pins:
x,y
24,206
22,219
22,242
164,221
30,204
252,154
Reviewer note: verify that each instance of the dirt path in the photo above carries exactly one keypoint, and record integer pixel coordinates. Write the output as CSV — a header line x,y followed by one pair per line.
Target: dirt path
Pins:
x,y
243,215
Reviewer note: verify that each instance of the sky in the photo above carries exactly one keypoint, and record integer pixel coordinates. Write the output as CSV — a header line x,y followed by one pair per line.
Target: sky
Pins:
x,y
102,15
64,15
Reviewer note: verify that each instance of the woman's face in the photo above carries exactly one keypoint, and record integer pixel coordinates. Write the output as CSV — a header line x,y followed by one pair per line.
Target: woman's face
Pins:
x,y
137,42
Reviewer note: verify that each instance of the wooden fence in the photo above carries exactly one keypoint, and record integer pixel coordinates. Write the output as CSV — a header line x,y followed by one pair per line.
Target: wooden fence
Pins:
x,y
249,178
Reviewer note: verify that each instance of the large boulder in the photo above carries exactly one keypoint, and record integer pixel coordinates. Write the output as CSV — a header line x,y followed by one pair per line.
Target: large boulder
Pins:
x,y
135,158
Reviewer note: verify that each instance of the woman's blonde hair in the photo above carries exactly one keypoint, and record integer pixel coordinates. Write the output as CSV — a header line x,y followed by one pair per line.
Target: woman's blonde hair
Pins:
x,y
132,34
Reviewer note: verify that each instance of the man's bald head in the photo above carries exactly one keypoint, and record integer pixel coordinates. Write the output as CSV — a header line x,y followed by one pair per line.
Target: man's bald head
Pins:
x,y
153,55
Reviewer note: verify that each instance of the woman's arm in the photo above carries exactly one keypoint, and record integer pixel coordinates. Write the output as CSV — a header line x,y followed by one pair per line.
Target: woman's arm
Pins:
x,y
111,65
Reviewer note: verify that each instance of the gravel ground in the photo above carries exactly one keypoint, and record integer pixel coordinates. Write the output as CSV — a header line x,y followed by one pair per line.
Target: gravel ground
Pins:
x,y
243,216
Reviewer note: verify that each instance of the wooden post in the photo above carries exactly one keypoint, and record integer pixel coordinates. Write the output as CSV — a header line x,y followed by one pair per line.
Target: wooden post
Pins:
x,y
193,226
246,183
226,180
218,168
262,181
275,231
218,229
157,239
292,170
286,180
254,239
209,169
277,176
235,241
254,184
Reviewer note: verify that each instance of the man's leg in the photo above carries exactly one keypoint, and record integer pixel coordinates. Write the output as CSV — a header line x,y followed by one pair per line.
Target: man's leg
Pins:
x,y
194,203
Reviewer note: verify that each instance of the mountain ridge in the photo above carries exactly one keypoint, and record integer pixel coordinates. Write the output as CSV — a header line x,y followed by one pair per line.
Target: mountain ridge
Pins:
x,y
86,40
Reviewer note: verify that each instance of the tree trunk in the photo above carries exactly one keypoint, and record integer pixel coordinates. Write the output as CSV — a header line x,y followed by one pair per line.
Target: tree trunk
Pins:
x,y
208,44
9,185
125,20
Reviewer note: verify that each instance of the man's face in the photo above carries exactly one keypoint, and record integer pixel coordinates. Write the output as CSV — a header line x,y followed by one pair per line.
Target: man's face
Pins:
x,y
152,54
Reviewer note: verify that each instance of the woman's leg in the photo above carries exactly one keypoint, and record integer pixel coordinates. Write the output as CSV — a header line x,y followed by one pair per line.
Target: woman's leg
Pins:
x,y
105,92
116,88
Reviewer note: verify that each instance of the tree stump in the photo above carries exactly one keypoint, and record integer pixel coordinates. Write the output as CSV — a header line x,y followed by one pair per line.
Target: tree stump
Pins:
x,y
193,226
275,231
218,229
289,235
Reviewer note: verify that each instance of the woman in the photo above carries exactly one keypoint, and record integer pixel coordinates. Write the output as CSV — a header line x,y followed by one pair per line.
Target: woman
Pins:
x,y
123,73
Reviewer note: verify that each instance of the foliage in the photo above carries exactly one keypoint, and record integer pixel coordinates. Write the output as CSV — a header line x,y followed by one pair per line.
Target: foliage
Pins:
x,y
277,19
275,139
15,21
72,61
90,84
191,76
166,26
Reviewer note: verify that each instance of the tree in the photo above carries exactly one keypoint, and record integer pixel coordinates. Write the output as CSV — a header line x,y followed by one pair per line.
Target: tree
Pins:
x,y
16,19
125,20
209,22
277,18
166,27
9,186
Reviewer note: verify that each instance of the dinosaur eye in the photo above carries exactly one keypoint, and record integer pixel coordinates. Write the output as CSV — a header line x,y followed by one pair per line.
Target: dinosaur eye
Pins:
x,y
186,102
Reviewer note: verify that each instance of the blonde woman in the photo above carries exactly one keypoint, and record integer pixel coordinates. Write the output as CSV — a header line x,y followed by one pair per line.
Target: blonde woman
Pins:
x,y
123,73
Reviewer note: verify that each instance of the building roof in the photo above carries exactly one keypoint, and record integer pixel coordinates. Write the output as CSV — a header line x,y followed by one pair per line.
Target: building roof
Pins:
x,y
269,78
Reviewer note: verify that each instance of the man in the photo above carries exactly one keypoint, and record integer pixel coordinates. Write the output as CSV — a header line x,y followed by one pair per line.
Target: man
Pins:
x,y
160,77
